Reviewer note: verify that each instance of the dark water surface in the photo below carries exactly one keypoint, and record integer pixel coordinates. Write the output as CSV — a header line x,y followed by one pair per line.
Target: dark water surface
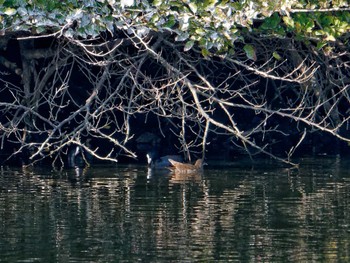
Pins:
x,y
242,213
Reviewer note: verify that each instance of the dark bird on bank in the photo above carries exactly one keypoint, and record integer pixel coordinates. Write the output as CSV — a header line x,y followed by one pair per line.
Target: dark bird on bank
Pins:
x,y
161,162
187,168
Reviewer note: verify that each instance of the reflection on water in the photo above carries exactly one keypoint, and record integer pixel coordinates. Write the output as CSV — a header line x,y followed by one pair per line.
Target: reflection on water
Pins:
x,y
124,214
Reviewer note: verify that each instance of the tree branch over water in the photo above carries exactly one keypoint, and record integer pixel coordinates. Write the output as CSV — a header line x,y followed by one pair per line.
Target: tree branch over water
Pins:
x,y
243,87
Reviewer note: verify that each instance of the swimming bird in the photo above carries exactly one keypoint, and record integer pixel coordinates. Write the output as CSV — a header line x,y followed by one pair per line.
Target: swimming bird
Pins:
x,y
187,168
78,157
74,159
161,162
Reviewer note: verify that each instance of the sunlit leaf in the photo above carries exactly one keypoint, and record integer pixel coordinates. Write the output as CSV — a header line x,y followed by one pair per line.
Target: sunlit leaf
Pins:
x,y
10,11
193,7
288,21
188,45
319,32
126,3
200,31
154,18
330,38
157,2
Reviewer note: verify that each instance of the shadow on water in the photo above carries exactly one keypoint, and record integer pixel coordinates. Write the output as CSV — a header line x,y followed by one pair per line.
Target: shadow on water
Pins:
x,y
130,213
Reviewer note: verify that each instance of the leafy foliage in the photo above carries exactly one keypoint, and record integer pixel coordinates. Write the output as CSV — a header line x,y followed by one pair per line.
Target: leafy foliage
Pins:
x,y
215,25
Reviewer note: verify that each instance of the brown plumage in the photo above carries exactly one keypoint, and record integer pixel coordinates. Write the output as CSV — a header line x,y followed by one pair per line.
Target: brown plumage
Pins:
x,y
187,167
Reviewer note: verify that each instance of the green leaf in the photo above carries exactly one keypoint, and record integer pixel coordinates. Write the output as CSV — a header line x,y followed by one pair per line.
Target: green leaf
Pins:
x,y
326,20
250,51
175,3
205,52
183,36
209,3
271,22
188,45
157,2
321,44
154,18
171,22
276,55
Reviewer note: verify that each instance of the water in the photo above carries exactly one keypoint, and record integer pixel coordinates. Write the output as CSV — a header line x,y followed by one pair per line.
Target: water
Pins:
x,y
239,213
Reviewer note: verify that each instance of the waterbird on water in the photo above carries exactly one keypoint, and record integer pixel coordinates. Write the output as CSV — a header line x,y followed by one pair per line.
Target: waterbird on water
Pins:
x,y
187,168
161,162
78,157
